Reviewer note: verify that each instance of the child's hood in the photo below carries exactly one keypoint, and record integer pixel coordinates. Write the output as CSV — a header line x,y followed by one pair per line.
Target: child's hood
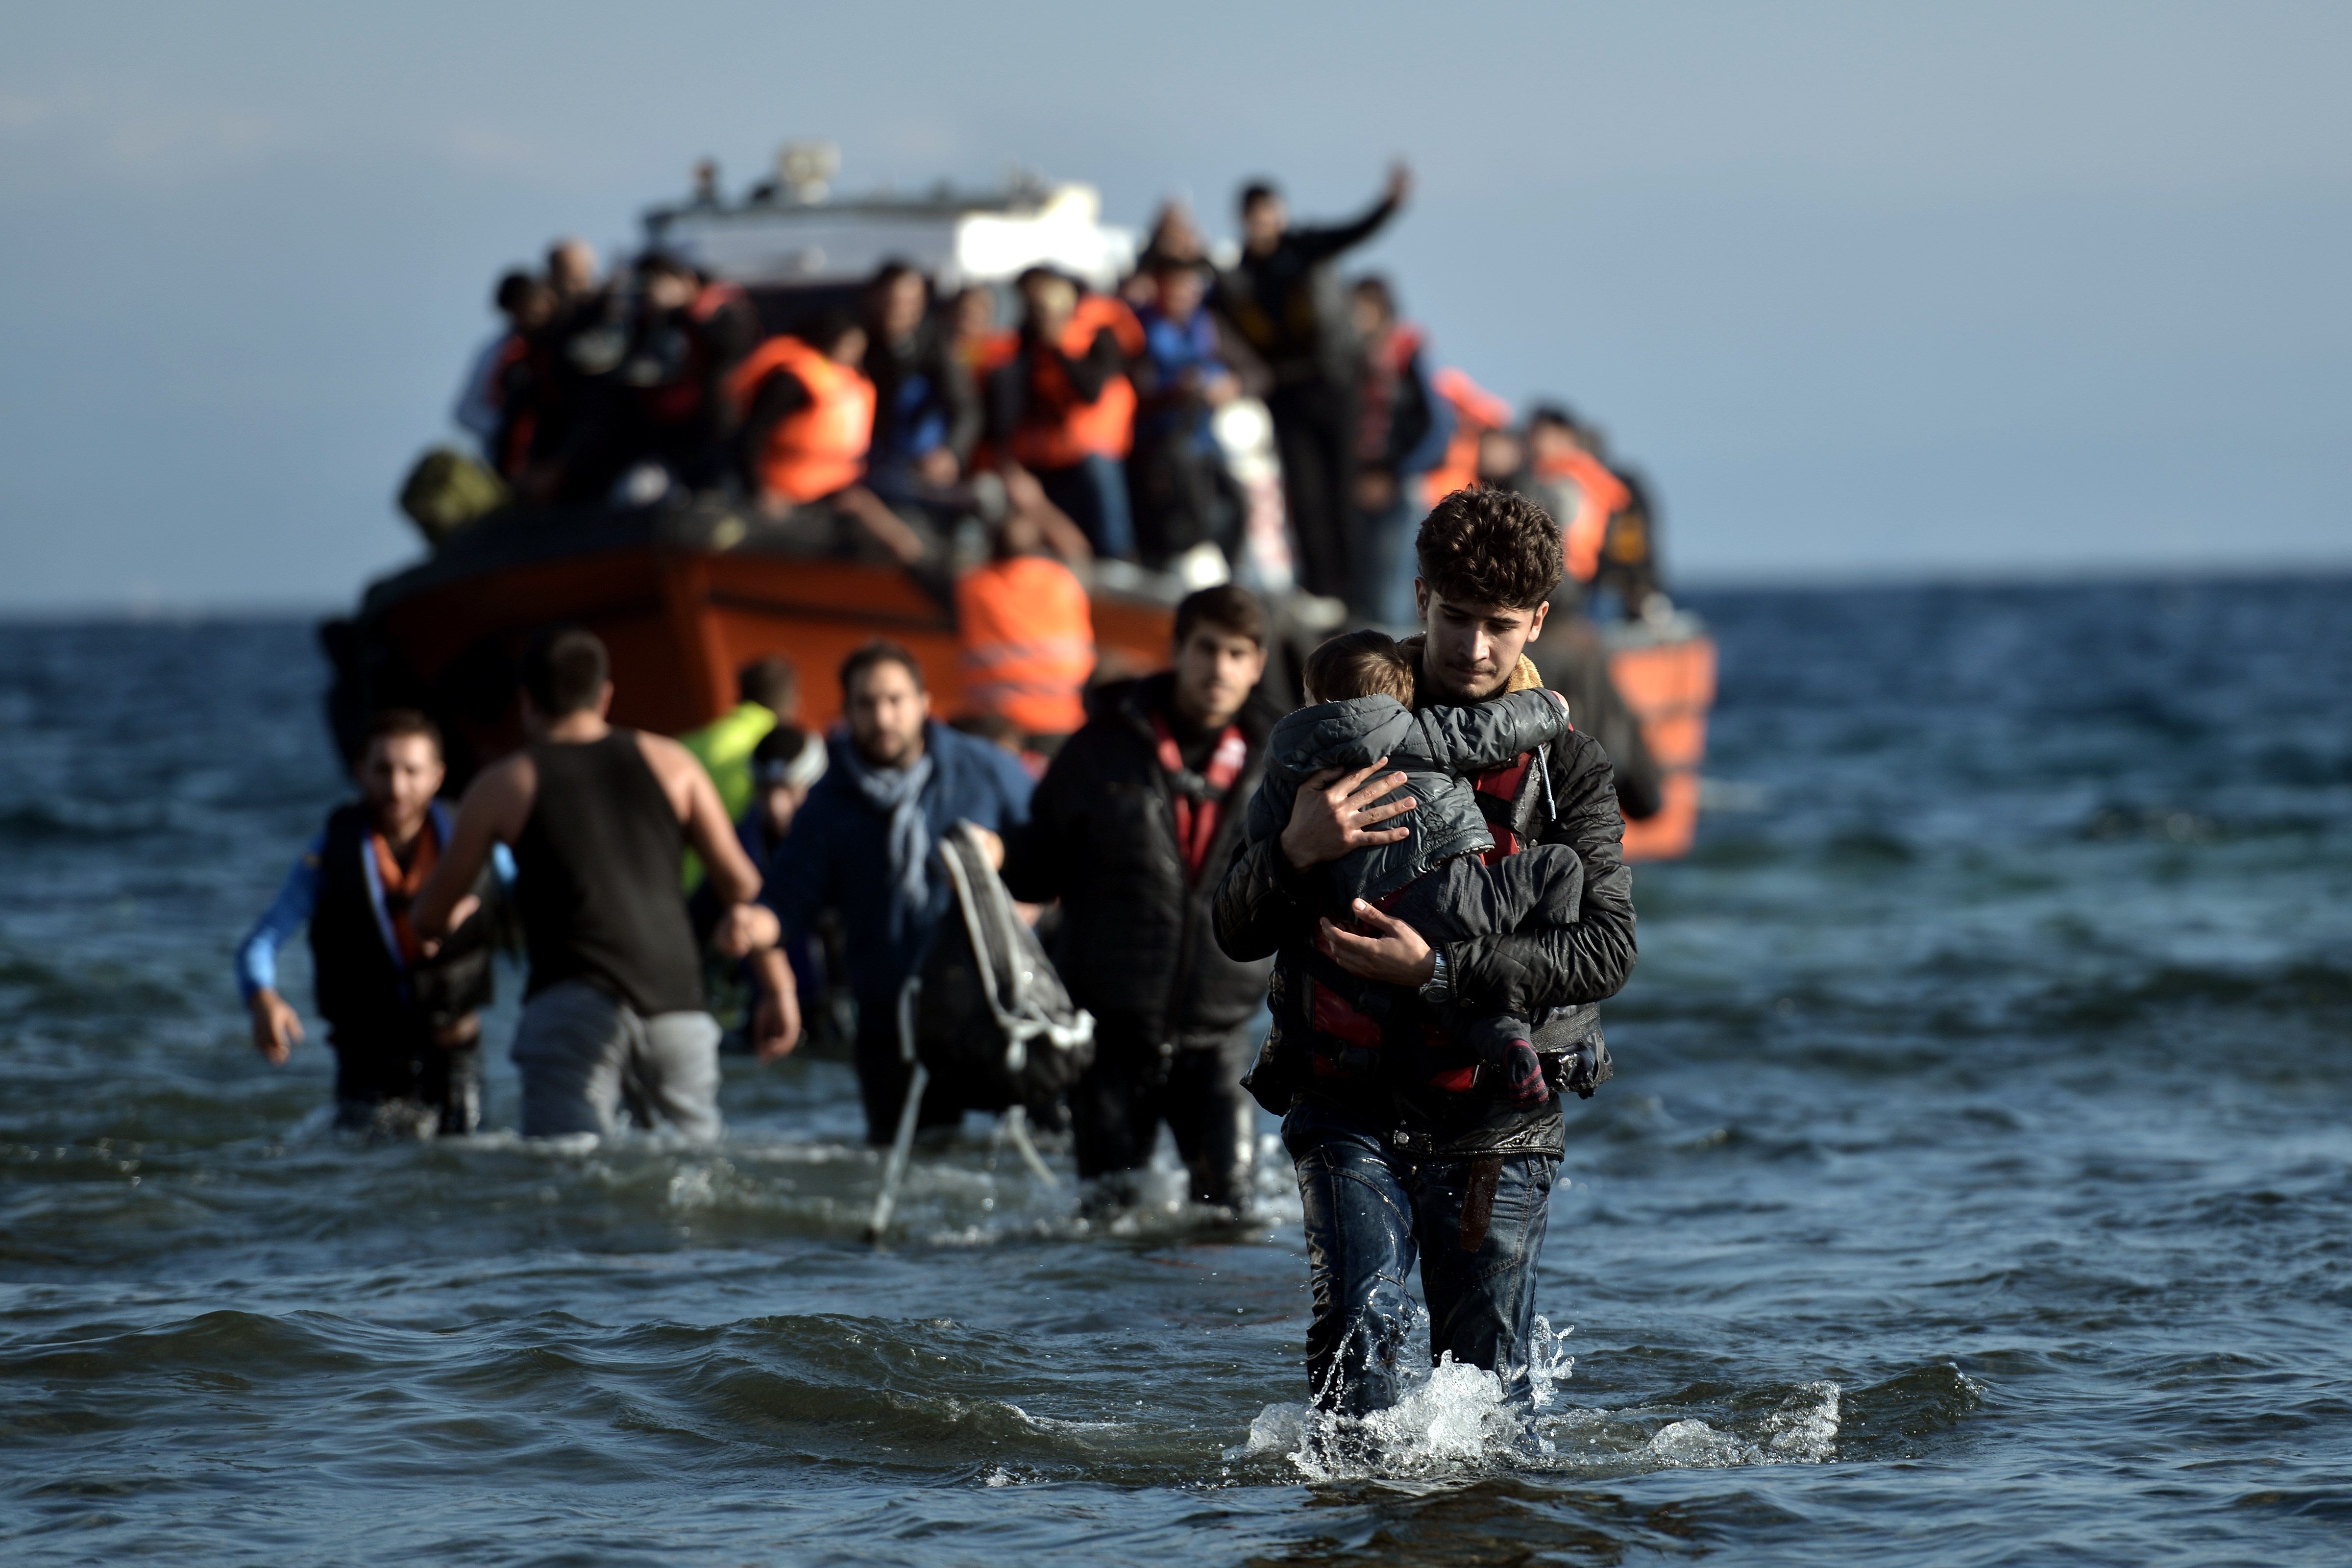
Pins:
x,y
1345,734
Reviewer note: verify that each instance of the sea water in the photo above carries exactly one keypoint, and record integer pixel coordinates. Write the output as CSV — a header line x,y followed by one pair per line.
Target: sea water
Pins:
x,y
1975,1185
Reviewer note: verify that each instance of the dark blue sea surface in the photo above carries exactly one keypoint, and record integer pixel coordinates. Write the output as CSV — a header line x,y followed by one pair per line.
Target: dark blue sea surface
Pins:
x,y
1975,1187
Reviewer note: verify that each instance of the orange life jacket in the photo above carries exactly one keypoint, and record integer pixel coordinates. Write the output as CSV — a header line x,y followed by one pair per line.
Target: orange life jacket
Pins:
x,y
1601,495
1476,412
1028,642
820,449
1058,430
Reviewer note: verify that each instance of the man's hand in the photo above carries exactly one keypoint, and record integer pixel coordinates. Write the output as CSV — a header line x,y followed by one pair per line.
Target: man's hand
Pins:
x,y
1333,814
776,1018
1399,184
746,929
276,1027
461,912
888,529
464,1032
1394,953
937,468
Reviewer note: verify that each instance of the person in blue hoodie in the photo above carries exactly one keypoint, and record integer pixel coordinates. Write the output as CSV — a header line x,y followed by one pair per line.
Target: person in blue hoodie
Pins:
x,y
404,1014
862,847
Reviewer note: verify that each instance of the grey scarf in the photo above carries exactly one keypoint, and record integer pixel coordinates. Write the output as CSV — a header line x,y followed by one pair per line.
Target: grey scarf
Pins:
x,y
898,793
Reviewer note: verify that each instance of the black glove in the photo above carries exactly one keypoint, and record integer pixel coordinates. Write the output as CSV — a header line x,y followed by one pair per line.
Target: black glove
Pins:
x,y
1522,1074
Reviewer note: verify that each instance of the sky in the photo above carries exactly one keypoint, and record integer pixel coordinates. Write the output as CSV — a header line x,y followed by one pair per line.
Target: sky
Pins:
x,y
1878,290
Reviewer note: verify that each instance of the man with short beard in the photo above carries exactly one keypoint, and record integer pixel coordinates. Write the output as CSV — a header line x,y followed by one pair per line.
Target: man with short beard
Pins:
x,y
862,847
1406,1150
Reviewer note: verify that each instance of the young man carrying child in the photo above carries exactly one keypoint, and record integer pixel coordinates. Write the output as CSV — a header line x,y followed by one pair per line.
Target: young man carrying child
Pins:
x,y
1410,1151
1443,878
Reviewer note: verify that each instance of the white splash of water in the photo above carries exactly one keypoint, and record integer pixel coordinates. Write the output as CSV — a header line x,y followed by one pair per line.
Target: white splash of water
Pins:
x,y
1450,1417
1456,1417
1803,1430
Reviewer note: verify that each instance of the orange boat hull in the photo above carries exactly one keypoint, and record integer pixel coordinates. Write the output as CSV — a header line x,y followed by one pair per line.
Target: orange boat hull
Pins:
x,y
682,605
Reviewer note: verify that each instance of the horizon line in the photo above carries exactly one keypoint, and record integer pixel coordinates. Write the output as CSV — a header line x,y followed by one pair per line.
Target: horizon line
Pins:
x,y
1791,578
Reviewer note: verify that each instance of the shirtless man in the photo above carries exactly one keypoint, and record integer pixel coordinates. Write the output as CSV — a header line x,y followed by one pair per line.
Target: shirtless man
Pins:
x,y
597,816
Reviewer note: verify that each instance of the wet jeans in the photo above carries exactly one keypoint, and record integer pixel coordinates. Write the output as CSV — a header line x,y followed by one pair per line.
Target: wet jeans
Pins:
x,y
1475,1226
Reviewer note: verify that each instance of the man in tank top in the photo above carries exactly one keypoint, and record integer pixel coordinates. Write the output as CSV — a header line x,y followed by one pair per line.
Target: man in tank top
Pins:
x,y
597,816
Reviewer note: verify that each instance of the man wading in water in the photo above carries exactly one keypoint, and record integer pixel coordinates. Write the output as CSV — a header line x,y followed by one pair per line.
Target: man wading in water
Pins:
x,y
1404,1149
403,1013
597,817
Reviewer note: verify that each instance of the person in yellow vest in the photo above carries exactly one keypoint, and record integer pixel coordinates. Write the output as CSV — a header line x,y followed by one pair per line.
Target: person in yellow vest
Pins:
x,y
807,418
1028,634
768,693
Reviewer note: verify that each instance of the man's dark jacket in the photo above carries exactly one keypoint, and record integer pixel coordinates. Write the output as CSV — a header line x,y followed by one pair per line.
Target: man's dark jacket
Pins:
x,y
1263,906
1135,944
1288,305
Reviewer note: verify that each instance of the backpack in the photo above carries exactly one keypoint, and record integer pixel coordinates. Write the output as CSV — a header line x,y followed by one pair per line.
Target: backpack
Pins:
x,y
993,1022
447,492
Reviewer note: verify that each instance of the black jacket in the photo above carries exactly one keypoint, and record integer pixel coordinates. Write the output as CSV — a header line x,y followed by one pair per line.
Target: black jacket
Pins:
x,y
1288,306
1135,943
1263,906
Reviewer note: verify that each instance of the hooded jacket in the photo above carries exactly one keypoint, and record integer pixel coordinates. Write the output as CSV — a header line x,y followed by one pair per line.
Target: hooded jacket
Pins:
x,y
1434,748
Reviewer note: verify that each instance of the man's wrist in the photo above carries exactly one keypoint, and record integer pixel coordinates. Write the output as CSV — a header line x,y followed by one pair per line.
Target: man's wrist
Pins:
x,y
1437,977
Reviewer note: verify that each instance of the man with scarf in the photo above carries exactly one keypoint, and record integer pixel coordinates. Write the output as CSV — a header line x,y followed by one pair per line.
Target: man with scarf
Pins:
x,y
1131,828
862,847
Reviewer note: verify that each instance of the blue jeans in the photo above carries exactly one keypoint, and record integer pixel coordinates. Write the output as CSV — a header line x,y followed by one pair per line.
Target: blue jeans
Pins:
x,y
1371,1211
1093,491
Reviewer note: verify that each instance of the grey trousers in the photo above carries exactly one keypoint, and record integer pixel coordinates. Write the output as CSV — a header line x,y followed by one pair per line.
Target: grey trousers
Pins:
x,y
585,1057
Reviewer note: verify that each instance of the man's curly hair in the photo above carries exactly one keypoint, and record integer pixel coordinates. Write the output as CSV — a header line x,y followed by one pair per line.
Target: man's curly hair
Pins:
x,y
1490,547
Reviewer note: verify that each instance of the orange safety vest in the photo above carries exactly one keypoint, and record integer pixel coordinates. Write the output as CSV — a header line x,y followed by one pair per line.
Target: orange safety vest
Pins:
x,y
1476,412
1603,495
1028,642
1058,430
821,447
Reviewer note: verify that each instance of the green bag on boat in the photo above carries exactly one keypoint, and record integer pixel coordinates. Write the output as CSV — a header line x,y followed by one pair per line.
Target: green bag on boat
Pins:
x,y
447,490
